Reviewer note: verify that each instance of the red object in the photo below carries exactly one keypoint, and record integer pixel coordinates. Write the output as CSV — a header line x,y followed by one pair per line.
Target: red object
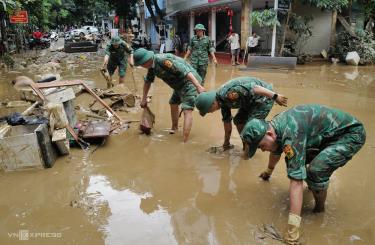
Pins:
x,y
230,14
21,17
37,35
117,19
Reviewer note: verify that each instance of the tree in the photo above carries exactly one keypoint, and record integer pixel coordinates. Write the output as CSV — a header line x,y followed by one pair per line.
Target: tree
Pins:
x,y
125,8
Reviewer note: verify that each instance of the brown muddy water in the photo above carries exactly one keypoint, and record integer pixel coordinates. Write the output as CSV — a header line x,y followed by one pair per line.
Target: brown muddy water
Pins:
x,y
157,190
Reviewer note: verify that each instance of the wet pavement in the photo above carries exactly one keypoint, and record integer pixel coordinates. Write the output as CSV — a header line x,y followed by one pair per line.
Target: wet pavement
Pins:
x,y
157,190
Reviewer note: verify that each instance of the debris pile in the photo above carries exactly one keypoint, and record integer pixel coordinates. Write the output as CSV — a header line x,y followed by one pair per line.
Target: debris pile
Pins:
x,y
54,111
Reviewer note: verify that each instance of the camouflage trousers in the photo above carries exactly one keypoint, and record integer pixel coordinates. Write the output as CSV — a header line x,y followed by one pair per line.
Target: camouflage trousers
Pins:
x,y
201,70
333,155
184,96
257,110
113,64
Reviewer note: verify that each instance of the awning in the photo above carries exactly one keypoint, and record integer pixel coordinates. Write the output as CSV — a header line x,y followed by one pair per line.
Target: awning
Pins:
x,y
171,13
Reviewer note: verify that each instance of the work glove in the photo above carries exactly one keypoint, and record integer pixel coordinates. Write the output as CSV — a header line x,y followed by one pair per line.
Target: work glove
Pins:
x,y
265,175
292,235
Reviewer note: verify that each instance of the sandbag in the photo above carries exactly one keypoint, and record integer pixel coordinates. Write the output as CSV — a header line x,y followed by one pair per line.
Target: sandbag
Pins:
x,y
147,121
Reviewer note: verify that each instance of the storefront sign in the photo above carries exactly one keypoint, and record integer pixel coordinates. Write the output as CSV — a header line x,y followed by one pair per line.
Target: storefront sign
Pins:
x,y
284,4
20,17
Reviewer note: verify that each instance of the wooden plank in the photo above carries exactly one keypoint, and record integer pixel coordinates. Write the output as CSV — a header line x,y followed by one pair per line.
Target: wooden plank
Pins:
x,y
346,25
78,82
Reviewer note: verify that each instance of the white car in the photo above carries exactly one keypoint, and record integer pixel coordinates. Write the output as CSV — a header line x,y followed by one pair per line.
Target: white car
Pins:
x,y
85,30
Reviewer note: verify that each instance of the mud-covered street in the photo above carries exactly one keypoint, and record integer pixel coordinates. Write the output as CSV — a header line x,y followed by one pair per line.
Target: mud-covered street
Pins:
x,y
138,189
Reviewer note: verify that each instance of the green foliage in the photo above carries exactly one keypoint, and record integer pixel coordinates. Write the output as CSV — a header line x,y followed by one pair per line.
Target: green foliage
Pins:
x,y
367,7
301,28
364,44
265,18
329,4
124,8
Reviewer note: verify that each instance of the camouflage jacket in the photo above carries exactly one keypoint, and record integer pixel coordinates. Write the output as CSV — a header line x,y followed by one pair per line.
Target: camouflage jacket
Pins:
x,y
171,69
308,127
119,54
238,93
200,48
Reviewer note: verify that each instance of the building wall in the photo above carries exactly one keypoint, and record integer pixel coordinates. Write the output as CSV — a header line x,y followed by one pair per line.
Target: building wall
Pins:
x,y
321,28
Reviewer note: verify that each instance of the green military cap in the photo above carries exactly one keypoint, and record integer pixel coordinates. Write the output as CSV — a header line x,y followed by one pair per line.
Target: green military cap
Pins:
x,y
116,40
204,101
253,133
199,27
141,56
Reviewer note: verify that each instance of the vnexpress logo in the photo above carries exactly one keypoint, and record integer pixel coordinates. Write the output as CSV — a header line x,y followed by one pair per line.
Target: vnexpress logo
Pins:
x,y
25,235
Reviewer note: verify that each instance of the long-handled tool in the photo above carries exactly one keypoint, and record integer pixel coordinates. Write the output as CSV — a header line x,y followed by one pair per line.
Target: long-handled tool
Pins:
x,y
107,77
135,85
244,56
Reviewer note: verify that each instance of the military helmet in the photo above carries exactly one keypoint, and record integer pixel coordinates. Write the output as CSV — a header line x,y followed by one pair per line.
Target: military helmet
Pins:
x,y
141,56
253,133
116,40
204,102
199,27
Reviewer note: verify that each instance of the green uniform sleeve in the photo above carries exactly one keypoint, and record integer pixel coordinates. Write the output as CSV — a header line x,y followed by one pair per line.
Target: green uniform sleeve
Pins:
x,y
226,114
150,76
107,49
294,148
128,48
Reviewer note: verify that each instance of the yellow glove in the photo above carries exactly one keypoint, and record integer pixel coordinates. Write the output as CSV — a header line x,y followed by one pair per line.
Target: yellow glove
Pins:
x,y
266,174
292,235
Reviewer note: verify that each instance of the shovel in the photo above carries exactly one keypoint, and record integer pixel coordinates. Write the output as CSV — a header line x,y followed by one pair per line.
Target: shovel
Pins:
x,y
107,77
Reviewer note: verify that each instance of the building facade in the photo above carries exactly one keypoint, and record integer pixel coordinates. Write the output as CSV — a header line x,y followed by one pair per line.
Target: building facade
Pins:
x,y
221,16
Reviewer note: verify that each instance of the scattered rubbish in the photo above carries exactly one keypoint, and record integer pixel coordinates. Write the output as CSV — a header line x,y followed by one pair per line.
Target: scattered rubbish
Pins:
x,y
59,137
269,231
119,98
324,54
355,238
147,121
17,118
219,149
82,46
57,116
94,131
334,60
352,58
17,103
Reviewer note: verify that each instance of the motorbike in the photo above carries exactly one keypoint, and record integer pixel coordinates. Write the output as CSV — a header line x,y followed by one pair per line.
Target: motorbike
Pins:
x,y
54,36
139,43
43,43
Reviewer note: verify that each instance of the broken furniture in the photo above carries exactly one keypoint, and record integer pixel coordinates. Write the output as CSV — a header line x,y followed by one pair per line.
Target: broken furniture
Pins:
x,y
26,146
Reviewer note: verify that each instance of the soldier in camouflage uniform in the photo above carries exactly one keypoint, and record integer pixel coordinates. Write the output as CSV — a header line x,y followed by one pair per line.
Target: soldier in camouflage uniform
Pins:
x,y
254,99
179,75
199,48
116,55
316,141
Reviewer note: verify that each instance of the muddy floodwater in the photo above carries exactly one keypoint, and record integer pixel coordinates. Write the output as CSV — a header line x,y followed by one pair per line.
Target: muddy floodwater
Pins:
x,y
157,190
